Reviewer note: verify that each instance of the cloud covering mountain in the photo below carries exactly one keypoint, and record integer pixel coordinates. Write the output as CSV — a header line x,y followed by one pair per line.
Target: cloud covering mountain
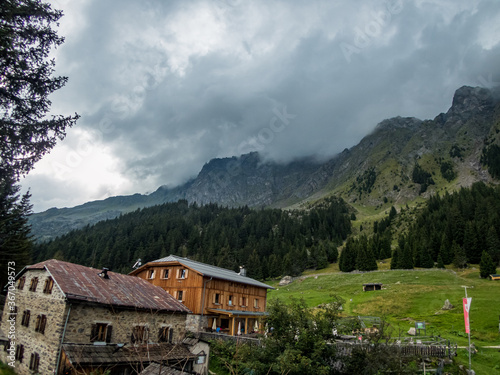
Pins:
x,y
163,87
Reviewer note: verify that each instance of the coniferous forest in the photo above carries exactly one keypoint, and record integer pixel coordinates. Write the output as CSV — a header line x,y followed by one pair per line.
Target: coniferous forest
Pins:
x,y
451,229
268,242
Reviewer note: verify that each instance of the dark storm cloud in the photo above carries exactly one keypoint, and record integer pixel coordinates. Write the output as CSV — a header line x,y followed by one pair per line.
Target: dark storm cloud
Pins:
x,y
169,85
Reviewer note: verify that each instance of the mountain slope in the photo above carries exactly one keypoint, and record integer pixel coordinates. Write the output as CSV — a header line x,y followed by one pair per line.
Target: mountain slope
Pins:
x,y
377,171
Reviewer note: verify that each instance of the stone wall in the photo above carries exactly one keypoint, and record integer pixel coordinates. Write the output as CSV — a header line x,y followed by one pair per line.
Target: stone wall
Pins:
x,y
51,305
83,316
196,323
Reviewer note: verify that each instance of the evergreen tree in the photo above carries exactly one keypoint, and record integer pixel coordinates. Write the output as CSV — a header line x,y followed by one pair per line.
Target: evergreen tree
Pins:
x,y
486,266
440,263
425,258
15,240
470,243
493,244
395,262
347,261
26,133
459,259
406,262
445,250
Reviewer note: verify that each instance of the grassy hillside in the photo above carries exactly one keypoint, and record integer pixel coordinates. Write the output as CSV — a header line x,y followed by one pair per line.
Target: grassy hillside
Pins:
x,y
408,296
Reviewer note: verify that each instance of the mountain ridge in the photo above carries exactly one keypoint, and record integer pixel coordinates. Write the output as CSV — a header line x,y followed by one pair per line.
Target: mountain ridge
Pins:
x,y
376,171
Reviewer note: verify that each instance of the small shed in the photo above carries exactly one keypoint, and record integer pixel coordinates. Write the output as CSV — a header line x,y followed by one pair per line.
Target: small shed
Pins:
x,y
495,277
371,286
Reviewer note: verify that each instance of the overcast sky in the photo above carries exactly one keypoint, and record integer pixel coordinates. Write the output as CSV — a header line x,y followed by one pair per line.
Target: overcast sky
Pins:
x,y
165,86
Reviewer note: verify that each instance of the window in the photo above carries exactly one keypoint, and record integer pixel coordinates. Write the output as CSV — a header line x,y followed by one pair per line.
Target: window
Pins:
x,y
20,353
165,273
101,332
20,285
243,301
230,300
34,283
256,303
26,318
202,358
49,283
180,295
34,362
151,274
140,335
41,322
165,334
182,273
217,298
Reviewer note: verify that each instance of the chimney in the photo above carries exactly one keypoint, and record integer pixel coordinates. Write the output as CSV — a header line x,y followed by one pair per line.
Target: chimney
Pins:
x,y
104,273
243,271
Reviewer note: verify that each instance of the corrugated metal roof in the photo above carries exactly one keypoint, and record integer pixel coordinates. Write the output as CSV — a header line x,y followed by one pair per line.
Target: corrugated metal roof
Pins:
x,y
213,271
83,284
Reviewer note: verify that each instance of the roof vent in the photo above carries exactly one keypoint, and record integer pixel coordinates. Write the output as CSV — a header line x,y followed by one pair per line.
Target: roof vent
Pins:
x,y
243,271
104,273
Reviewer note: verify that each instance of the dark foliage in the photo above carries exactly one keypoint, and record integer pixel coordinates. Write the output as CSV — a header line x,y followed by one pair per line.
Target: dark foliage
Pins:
x,y
458,227
269,242
26,39
300,341
447,171
26,134
422,177
486,266
491,158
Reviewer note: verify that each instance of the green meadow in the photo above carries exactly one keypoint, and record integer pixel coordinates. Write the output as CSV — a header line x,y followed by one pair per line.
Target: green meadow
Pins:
x,y
414,295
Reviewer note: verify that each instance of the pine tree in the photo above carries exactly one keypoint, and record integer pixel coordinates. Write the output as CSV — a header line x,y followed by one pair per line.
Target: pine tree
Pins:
x,y
493,244
395,259
486,266
470,243
440,263
425,258
459,259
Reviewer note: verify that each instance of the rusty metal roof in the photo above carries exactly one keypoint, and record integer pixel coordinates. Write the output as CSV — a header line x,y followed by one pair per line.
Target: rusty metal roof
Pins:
x,y
82,283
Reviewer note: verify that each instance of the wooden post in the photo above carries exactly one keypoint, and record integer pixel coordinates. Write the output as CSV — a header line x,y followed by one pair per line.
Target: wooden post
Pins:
x,y
246,324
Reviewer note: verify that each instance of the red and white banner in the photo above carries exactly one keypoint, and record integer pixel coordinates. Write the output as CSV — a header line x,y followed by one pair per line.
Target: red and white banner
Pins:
x,y
467,302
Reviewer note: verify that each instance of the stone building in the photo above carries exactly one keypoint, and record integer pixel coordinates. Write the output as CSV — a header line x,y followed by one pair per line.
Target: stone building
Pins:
x,y
72,319
219,299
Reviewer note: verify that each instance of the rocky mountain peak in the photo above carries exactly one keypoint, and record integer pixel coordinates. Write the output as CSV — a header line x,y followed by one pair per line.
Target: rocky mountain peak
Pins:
x,y
468,101
398,123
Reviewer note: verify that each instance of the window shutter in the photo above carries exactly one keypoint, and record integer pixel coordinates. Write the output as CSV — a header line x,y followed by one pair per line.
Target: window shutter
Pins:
x,y
44,323
241,301
21,353
213,298
38,323
108,334
28,318
93,333
186,274
133,337
170,334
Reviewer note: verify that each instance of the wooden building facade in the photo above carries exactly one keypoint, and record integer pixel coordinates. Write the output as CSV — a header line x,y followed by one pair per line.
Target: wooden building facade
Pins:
x,y
220,299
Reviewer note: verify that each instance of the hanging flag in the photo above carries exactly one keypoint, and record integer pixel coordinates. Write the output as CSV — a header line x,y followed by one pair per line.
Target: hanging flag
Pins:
x,y
467,302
